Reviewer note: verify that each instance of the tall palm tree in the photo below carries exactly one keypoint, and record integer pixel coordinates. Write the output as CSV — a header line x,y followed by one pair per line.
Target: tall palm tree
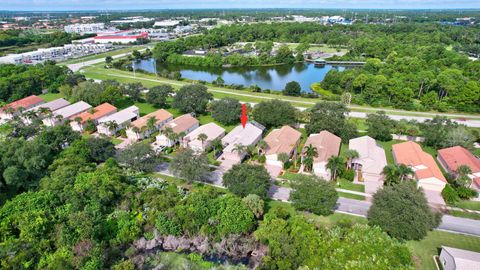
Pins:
x,y
59,118
395,174
463,178
405,172
310,153
262,146
463,170
46,112
202,137
335,164
30,115
308,163
239,148
216,145
151,123
112,126
250,150
170,134
350,155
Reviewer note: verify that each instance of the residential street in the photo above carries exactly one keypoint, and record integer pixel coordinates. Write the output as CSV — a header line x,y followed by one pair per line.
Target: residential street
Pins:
x,y
351,206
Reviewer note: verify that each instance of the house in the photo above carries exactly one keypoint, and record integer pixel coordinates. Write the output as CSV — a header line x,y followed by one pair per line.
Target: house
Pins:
x,y
427,172
180,126
327,145
239,136
211,130
59,116
453,157
49,106
15,108
369,165
459,259
111,124
80,121
139,130
282,140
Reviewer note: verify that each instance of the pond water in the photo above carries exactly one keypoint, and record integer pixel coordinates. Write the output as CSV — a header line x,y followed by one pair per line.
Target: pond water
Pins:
x,y
272,77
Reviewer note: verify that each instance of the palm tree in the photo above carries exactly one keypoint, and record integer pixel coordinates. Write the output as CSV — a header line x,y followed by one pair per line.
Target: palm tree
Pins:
x,y
463,177
335,164
284,158
59,118
151,123
351,155
395,174
9,110
216,144
250,150
202,137
239,148
262,146
308,163
30,115
463,170
170,134
405,172
309,153
112,126
45,111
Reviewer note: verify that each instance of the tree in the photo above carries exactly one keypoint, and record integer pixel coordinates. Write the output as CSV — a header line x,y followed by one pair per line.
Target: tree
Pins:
x,y
244,179
139,157
314,195
309,153
158,95
335,164
461,136
133,90
330,116
216,144
402,211
203,138
463,178
395,174
190,166
192,98
274,113
436,130
108,60
226,110
350,154
292,89
380,126
255,204
284,55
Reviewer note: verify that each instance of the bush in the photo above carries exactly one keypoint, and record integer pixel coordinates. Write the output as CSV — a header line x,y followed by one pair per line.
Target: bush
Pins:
x,y
167,226
314,195
450,195
348,175
466,193
244,179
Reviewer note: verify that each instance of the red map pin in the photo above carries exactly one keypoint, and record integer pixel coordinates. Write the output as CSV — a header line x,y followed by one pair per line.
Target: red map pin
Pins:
x,y
244,117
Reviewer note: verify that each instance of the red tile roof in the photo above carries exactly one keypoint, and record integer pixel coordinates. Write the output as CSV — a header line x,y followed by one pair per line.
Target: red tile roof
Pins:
x,y
411,154
457,156
161,115
25,103
101,110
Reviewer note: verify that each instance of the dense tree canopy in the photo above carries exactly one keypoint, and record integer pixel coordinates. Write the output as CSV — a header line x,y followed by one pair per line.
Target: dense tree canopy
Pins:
x,y
192,98
190,166
313,194
274,113
244,179
158,95
226,110
380,126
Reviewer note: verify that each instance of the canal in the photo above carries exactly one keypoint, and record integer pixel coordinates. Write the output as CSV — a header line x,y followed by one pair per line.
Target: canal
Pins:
x,y
271,77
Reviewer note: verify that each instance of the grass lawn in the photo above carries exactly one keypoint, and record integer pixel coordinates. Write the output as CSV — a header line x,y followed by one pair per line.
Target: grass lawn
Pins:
x,y
387,146
463,214
344,184
472,205
116,141
351,196
51,96
425,249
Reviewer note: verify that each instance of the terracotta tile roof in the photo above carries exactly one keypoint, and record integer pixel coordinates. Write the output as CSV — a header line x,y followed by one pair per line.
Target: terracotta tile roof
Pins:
x,y
282,140
411,154
25,103
101,110
327,145
161,115
182,123
457,156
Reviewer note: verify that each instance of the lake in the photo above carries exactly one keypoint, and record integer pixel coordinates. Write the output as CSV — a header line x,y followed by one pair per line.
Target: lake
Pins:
x,y
271,77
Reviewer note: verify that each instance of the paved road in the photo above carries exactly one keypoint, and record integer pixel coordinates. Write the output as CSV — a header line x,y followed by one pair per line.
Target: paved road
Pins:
x,y
351,206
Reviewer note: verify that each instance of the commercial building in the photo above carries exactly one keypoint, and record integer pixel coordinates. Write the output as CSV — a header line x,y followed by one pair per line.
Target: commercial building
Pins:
x,y
453,157
327,145
61,115
139,129
15,108
459,259
166,23
239,137
111,124
80,121
212,132
427,173
179,126
283,140
369,165
131,20
49,106
123,37
85,28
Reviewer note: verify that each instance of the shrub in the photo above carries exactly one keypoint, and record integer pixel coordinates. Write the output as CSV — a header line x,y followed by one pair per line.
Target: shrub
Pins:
x,y
449,194
348,175
314,194
465,193
244,179
167,226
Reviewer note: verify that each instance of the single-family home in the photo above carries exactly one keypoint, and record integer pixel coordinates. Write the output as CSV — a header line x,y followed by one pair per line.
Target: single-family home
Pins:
x,y
369,165
427,173
111,124
43,110
236,139
15,108
453,157
459,259
79,122
282,140
327,145
139,129
61,115
180,127
194,140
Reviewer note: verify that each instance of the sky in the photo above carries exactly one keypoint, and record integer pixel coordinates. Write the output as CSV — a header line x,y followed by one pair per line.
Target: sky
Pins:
x,y
183,4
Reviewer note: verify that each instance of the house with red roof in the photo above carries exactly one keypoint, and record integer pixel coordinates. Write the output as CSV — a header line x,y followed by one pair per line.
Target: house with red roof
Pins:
x,y
79,122
453,157
427,173
15,108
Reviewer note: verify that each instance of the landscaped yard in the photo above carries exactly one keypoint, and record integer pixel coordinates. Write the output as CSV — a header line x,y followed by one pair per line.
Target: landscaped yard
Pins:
x,y
472,205
342,183
51,96
425,249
